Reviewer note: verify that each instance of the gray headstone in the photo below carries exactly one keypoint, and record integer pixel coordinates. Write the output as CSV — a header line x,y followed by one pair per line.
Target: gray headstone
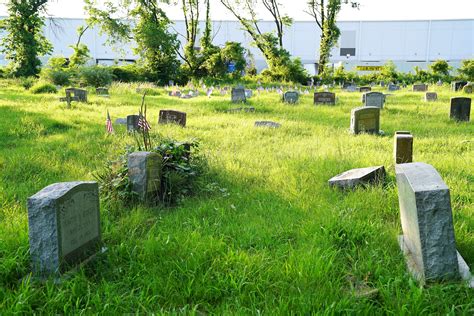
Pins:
x,y
238,95
361,176
64,226
427,222
393,87
375,99
365,120
79,94
468,88
403,147
132,123
248,93
144,172
365,89
121,121
102,91
351,88
290,97
267,124
458,85
324,98
431,96
460,109
420,87
171,116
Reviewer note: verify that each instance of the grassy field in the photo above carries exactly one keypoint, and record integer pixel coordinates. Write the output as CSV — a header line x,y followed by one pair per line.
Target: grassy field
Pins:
x,y
271,238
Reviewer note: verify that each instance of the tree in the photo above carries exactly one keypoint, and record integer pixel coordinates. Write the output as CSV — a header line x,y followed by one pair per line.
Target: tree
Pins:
x,y
467,69
24,41
440,68
324,12
81,53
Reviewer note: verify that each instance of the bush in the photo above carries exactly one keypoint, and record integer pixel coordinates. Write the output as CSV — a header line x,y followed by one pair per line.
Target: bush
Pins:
x,y
27,82
43,87
57,77
95,76
467,70
440,68
128,73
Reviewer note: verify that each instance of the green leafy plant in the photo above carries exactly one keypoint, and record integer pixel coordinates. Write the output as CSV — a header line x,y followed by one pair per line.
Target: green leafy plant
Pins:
x,y
467,69
95,76
43,87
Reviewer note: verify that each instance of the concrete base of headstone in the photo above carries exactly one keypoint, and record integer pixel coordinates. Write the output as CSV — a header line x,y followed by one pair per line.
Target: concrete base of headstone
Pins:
x,y
360,176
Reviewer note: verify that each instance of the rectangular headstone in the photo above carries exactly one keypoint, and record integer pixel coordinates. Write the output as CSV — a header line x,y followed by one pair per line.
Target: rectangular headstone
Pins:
x,y
365,89
458,85
290,97
144,172
248,93
427,222
328,98
431,96
403,147
238,95
351,88
365,120
102,91
64,226
393,87
171,116
360,176
420,87
375,99
460,109
132,123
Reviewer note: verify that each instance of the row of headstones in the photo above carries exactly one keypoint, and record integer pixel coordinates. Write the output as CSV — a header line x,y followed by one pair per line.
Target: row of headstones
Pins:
x,y
428,241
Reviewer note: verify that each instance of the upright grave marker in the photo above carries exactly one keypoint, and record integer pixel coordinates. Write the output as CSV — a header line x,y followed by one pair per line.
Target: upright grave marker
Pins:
x,y
238,95
290,97
431,96
171,116
144,171
64,227
468,88
458,85
427,223
460,109
403,147
365,89
328,98
132,123
103,92
420,87
365,120
393,87
375,99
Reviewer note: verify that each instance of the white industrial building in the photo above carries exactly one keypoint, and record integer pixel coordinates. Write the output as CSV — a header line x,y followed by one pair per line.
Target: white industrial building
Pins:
x,y
362,43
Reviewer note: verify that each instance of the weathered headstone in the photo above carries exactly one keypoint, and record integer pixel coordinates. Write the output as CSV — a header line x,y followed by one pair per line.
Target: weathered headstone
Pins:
x,y
267,124
121,121
171,116
403,147
69,98
238,95
375,99
427,223
64,227
393,87
360,176
365,89
290,97
431,96
458,85
351,88
328,98
144,172
420,87
365,120
248,93
102,91
468,88
460,109
132,123
79,94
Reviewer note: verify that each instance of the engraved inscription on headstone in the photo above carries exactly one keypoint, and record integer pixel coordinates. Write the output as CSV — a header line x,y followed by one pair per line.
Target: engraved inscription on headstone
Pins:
x,y
375,99
328,98
171,116
365,120
460,109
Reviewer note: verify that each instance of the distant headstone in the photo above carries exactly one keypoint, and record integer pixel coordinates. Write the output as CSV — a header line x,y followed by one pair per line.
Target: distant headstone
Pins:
x,y
365,89
248,93
144,172
375,99
267,124
64,227
102,91
403,147
458,85
365,120
241,109
427,223
328,98
361,176
238,95
132,123
175,93
393,87
460,109
290,97
351,88
468,88
431,96
382,83
121,121
79,94
420,87
171,116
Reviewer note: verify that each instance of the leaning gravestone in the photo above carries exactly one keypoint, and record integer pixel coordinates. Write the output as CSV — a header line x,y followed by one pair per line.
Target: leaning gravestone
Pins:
x,y
403,147
64,227
290,97
171,116
365,120
431,96
365,89
144,172
238,95
420,87
328,98
460,109
375,99
428,235
267,124
132,123
458,85
361,176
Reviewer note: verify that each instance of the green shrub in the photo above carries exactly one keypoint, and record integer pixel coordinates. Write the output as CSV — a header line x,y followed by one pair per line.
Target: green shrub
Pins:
x,y
467,69
27,82
43,87
95,76
128,73
440,68
58,77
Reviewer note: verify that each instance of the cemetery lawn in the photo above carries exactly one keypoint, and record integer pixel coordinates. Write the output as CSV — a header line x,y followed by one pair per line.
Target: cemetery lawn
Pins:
x,y
269,236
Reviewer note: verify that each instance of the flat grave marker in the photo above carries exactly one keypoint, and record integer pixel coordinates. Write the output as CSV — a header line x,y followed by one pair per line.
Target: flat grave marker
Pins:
x,y
350,179
269,124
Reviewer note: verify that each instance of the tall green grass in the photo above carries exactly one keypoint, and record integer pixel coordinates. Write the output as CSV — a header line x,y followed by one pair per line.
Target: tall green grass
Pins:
x,y
270,237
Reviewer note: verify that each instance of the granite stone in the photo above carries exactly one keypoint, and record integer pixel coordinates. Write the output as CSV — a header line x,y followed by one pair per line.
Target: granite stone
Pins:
x,y
172,116
365,120
403,147
328,98
460,109
361,176
144,172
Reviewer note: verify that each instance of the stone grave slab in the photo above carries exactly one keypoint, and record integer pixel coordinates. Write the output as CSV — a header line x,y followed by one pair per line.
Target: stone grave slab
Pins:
x,y
350,179
403,147
460,109
393,87
172,116
241,109
351,88
328,98
375,99
64,227
144,171
121,121
420,87
267,124
427,223
365,120
468,88
103,92
132,123
431,96
365,89
291,97
238,95
457,85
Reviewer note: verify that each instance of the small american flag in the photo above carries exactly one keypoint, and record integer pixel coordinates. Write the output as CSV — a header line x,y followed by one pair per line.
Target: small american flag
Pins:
x,y
142,123
108,124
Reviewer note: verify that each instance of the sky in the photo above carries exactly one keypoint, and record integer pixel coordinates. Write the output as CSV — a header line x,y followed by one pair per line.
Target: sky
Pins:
x,y
369,10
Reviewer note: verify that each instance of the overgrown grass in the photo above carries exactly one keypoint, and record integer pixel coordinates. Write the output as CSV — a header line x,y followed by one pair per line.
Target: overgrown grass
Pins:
x,y
270,237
